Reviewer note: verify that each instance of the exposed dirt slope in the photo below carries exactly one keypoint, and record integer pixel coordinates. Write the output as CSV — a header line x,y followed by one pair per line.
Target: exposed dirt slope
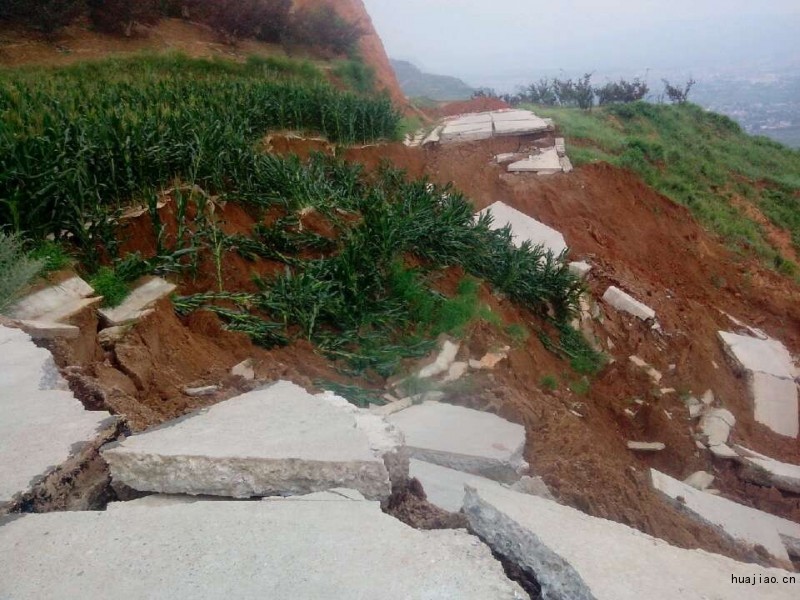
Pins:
x,y
371,46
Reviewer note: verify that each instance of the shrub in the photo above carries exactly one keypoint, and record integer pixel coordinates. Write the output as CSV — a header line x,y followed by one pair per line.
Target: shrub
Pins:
x,y
622,92
322,27
16,269
678,95
266,20
358,76
47,16
121,16
108,284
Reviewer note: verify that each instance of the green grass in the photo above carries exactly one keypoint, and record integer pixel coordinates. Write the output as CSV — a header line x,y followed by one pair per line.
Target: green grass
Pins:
x,y
549,383
698,159
53,256
357,75
17,268
108,284
359,301
78,142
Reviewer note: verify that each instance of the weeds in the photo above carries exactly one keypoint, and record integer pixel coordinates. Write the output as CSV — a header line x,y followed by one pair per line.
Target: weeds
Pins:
x,y
549,383
108,284
16,269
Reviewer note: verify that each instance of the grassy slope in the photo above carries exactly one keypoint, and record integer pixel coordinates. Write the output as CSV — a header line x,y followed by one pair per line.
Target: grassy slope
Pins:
x,y
700,159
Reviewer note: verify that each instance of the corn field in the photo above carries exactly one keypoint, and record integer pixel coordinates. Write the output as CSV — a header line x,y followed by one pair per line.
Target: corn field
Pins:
x,y
76,143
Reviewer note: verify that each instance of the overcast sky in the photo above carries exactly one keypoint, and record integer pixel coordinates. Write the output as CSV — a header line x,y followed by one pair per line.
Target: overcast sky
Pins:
x,y
496,42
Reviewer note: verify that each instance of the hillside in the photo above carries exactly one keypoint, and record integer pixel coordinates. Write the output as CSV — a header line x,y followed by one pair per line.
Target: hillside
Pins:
x,y
223,276
744,188
417,84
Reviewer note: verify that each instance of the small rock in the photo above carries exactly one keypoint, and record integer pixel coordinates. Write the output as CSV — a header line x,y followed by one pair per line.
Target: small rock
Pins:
x,y
110,336
207,390
456,372
708,398
580,269
700,445
490,361
695,411
245,369
700,480
665,391
646,446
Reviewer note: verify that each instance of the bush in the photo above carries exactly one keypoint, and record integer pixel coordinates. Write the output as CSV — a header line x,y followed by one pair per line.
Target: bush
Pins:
x,y
622,92
266,20
323,28
120,16
16,269
111,286
47,16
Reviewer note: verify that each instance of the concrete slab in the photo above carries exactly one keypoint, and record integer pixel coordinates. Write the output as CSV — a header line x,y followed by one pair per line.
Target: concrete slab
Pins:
x,y
46,304
43,425
566,164
561,146
434,136
700,480
443,362
716,426
44,330
772,374
741,522
526,125
444,487
279,440
546,163
580,269
767,471
289,548
776,403
626,303
578,557
138,302
762,356
525,228
499,116
464,439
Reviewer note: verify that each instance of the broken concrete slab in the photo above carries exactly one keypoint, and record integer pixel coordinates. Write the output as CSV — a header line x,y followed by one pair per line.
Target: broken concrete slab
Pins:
x,y
646,446
762,356
767,471
561,146
434,136
654,374
566,164
443,362
701,480
525,228
776,403
287,548
580,269
545,163
716,426
578,557
740,522
279,440
46,330
464,439
772,374
137,303
506,157
490,360
723,451
521,125
48,304
456,371
627,303
245,370
43,426
199,392
443,487
467,128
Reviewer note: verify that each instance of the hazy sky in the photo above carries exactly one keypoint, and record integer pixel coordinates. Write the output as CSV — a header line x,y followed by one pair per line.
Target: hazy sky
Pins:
x,y
496,42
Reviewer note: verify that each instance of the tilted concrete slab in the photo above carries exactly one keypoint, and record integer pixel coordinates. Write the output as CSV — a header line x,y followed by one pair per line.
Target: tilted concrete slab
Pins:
x,y
468,132
139,300
767,471
444,487
42,425
627,303
740,522
763,356
49,303
464,439
279,440
287,548
45,330
546,163
524,125
525,228
775,403
578,557
772,374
